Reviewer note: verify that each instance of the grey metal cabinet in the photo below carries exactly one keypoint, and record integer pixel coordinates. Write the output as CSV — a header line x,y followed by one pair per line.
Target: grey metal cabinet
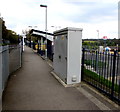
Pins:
x,y
67,54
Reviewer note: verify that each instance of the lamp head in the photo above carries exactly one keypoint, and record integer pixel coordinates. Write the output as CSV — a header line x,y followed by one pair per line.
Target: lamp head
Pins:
x,y
43,6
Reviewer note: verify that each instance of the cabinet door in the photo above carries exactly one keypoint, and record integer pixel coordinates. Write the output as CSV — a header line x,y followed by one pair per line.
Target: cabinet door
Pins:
x,y
60,56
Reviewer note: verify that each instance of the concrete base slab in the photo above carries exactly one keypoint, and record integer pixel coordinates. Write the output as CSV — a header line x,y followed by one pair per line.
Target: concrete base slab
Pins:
x,y
62,82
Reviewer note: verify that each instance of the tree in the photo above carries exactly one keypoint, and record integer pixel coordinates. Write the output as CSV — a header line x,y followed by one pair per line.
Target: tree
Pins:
x,y
9,35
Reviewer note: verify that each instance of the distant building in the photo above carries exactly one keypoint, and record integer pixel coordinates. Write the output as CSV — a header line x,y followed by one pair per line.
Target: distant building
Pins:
x,y
1,31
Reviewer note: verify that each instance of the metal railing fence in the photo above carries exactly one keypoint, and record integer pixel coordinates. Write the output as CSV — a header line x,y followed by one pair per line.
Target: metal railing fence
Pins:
x,y
102,71
10,61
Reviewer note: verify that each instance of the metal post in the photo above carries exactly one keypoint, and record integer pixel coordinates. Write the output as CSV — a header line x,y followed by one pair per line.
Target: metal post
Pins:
x,y
45,6
83,59
96,65
113,74
46,34
98,36
119,44
41,48
38,46
30,42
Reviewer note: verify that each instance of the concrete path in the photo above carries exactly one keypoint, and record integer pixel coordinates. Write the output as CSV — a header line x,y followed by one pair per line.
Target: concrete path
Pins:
x,y
34,88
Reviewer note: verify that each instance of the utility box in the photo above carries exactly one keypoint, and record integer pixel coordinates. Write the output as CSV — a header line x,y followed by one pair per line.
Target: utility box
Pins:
x,y
67,54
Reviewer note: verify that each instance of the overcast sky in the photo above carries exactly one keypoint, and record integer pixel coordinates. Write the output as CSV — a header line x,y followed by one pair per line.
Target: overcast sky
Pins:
x,y
91,15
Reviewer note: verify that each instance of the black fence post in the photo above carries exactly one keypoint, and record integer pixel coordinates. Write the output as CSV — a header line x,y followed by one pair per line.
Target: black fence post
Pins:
x,y
113,74
96,63
83,59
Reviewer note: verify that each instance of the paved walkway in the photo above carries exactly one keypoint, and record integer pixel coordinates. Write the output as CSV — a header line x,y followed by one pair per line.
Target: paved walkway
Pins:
x,y
34,88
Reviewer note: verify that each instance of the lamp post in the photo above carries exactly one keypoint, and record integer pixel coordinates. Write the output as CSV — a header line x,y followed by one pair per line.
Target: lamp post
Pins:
x,y
98,35
32,27
56,27
45,6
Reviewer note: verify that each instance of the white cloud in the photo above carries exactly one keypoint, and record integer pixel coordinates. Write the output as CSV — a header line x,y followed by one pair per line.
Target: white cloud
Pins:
x,y
91,15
